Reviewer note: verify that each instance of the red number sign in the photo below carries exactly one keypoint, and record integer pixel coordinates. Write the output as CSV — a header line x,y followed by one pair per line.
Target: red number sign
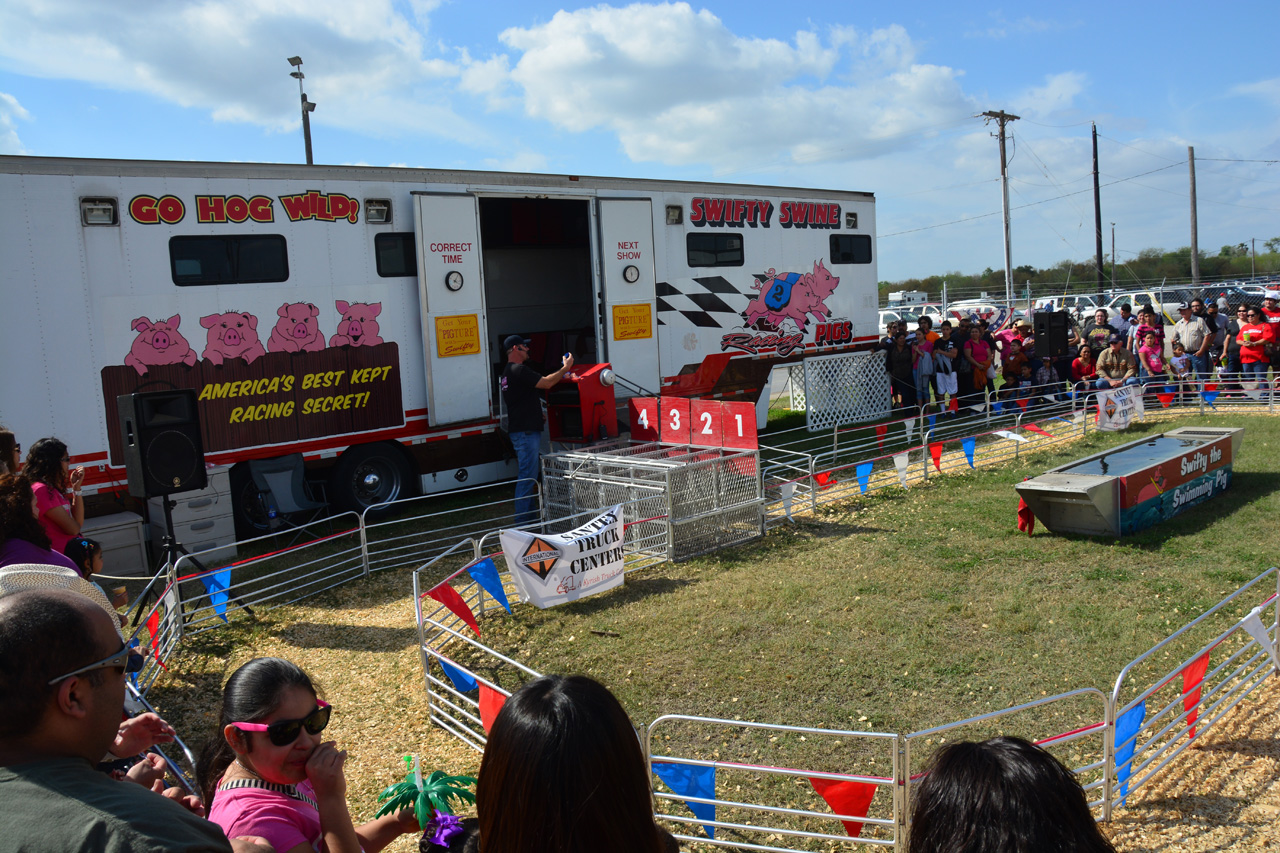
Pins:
x,y
644,418
674,417
740,426
704,421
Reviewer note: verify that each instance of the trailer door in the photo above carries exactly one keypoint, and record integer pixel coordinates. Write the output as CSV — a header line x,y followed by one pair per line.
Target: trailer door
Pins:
x,y
451,300
630,321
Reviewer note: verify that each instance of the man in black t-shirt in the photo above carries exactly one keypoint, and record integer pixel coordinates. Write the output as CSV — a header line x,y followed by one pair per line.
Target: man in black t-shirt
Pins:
x,y
520,385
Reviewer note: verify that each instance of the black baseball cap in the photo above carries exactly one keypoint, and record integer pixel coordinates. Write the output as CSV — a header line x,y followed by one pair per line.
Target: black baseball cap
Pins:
x,y
1114,339
513,341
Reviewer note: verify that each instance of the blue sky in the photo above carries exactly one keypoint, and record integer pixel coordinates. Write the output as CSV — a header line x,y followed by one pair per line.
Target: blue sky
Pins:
x,y
874,97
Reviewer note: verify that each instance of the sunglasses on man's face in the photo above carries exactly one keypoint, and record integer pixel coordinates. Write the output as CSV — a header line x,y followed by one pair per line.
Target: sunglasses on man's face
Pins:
x,y
285,732
127,659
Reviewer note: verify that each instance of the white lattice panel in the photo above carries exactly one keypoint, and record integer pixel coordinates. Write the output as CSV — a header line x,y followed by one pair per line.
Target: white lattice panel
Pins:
x,y
795,386
845,389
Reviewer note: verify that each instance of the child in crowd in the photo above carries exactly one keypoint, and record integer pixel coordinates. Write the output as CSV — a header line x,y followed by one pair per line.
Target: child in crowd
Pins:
x,y
1011,367
1026,383
1046,378
1151,358
87,555
1180,369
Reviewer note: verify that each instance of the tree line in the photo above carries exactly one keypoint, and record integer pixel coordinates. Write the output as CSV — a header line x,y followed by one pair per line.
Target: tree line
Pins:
x,y
1149,267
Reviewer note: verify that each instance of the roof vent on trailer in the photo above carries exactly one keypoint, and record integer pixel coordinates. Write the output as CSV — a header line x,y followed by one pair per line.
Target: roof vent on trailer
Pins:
x,y
377,211
98,211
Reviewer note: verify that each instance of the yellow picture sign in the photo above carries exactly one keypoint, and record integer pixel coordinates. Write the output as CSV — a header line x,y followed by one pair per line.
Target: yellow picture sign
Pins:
x,y
457,335
632,322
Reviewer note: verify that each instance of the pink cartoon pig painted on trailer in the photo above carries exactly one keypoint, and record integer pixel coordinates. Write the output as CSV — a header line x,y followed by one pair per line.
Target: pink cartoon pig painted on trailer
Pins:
x,y
359,326
232,335
158,343
297,329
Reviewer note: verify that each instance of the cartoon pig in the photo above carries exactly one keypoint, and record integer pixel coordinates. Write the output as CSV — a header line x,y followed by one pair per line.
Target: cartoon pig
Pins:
x,y
232,335
158,343
296,330
359,326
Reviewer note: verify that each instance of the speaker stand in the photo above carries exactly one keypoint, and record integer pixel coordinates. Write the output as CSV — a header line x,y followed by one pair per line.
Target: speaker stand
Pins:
x,y
171,551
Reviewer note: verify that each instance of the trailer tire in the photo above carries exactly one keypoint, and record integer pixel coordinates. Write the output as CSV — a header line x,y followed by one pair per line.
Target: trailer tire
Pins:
x,y
370,474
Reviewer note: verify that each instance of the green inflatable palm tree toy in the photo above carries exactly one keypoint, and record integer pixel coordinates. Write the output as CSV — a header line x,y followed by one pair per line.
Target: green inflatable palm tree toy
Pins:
x,y
425,796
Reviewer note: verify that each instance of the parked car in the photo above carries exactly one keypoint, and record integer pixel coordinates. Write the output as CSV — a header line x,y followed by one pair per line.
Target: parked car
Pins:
x,y
1165,300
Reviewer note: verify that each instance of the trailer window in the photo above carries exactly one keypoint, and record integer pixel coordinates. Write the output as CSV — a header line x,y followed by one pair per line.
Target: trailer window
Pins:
x,y
228,259
850,248
395,254
714,250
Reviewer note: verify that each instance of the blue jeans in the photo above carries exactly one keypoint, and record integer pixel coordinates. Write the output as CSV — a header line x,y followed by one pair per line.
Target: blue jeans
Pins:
x,y
1200,363
1254,371
528,447
1105,384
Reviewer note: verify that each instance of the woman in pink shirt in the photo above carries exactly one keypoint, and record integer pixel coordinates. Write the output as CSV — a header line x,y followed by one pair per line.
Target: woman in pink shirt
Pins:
x,y
267,773
60,508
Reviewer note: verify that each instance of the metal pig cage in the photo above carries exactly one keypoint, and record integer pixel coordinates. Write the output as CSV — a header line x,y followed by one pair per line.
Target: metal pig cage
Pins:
x,y
679,500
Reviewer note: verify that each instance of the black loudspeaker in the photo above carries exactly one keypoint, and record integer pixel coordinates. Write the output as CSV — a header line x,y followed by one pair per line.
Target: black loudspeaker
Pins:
x,y
163,453
1051,333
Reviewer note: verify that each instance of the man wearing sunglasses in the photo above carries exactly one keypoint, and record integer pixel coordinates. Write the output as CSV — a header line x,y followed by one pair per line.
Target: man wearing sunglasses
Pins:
x,y
62,684
520,384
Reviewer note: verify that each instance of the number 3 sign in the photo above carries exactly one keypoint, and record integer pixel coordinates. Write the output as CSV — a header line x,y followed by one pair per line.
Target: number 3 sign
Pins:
x,y
702,423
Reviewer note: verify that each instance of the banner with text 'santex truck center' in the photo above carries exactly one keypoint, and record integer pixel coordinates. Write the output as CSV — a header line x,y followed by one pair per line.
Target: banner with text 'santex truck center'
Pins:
x,y
550,569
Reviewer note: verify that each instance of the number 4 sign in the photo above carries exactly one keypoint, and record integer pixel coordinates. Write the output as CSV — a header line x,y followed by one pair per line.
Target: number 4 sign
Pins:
x,y
644,418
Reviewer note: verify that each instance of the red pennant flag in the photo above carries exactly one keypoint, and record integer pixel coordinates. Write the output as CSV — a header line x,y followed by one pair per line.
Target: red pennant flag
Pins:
x,y
1022,403
491,702
1165,400
1210,387
880,431
825,480
1026,518
1191,678
935,450
846,798
153,626
449,597
1036,430
954,405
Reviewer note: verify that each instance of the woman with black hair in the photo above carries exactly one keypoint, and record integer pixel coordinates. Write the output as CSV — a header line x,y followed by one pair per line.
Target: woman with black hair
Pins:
x,y
1003,795
22,539
265,772
563,773
10,452
57,488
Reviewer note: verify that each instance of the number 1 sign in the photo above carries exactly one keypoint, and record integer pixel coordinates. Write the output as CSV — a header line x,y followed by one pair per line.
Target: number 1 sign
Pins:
x,y
739,426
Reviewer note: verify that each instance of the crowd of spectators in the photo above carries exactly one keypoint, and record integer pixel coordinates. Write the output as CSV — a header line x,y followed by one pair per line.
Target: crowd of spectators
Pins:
x,y
1209,341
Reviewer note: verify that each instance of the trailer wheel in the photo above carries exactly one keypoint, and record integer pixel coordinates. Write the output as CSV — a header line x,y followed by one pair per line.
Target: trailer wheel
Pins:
x,y
370,474
249,510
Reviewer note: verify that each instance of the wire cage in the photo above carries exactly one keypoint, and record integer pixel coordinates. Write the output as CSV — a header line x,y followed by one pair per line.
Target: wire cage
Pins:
x,y
689,500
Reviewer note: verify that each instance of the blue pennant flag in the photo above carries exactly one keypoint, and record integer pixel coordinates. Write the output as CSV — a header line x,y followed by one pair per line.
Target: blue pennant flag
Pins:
x,y
998,405
1169,389
216,584
486,574
1127,728
968,445
933,420
685,780
864,475
1209,397
462,682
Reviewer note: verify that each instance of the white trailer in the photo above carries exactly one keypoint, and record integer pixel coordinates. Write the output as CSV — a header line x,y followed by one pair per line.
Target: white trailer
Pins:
x,y
355,314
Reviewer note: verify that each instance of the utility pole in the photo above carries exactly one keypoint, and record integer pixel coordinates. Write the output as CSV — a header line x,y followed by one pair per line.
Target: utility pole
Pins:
x,y
1113,256
1253,258
1002,118
1097,208
1195,229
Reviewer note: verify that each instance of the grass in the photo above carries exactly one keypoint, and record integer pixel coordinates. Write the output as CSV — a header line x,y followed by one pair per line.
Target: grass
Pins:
x,y
894,612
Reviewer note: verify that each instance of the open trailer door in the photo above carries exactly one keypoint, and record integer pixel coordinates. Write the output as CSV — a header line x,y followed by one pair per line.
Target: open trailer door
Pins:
x,y
630,319
451,299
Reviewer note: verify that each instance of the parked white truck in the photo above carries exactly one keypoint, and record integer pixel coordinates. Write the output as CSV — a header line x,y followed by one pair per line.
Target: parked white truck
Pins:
x,y
355,314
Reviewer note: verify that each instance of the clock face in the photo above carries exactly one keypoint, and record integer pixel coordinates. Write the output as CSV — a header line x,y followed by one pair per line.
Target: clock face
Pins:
x,y
453,281
631,274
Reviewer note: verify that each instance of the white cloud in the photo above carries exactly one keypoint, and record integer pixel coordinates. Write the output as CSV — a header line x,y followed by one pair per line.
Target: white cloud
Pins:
x,y
1266,90
676,86
1058,93
10,113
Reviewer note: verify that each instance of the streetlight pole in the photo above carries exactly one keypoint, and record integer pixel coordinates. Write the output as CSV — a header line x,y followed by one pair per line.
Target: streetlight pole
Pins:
x,y
1113,256
1253,258
307,106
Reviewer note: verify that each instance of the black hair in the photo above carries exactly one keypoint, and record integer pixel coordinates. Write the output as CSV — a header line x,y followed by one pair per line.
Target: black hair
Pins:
x,y
42,636
16,520
81,550
563,772
8,443
1003,795
44,463
252,692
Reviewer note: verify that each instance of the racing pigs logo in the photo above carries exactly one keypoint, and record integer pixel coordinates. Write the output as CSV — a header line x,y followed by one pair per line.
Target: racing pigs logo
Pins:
x,y
359,325
232,335
159,343
791,296
296,329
